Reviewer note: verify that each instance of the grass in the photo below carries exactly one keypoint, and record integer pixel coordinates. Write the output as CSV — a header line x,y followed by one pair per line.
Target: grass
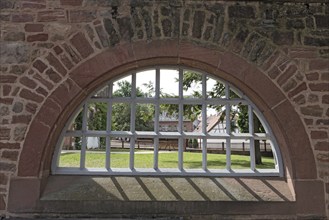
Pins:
x,y
144,159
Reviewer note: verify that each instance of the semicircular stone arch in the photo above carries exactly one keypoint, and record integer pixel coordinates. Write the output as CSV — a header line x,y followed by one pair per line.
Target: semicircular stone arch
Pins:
x,y
266,66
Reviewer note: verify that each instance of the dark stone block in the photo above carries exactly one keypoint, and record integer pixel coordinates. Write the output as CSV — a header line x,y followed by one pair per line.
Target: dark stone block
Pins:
x,y
207,33
216,8
322,21
238,11
218,29
102,36
187,15
283,38
114,38
7,4
296,24
148,23
15,36
125,27
314,41
166,27
165,11
198,21
185,29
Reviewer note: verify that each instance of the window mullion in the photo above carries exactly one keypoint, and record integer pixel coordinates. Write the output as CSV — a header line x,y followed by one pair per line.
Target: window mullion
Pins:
x,y
84,138
132,120
156,118
204,122
228,128
252,139
108,128
180,120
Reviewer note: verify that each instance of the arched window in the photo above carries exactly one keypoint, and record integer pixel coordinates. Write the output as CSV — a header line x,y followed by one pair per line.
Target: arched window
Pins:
x,y
168,121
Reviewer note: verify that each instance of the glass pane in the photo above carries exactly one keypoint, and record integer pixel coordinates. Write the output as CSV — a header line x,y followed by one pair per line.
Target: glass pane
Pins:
x,y
144,120
216,153
240,154
120,117
192,84
168,118
258,125
239,119
120,152
215,88
76,123
191,117
192,157
145,83
96,115
264,155
95,152
234,94
168,153
70,152
216,123
102,93
144,153
122,87
169,83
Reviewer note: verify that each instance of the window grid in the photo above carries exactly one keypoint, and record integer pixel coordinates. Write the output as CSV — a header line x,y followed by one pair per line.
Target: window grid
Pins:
x,y
180,135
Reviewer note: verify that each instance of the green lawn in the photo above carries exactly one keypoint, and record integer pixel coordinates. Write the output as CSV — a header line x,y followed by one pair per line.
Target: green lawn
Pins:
x,y
144,159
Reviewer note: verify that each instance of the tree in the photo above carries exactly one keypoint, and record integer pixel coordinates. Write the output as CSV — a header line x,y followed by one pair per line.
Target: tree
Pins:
x,y
240,113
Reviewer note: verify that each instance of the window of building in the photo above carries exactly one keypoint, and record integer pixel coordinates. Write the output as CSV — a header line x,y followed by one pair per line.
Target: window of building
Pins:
x,y
167,121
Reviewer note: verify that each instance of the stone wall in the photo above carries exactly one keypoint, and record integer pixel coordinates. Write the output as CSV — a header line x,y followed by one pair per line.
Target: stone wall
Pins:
x,y
43,41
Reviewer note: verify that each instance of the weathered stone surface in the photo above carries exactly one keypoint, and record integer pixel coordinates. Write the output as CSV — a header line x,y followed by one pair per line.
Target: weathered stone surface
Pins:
x,y
283,38
71,2
126,31
14,36
167,27
296,24
11,52
312,110
53,61
19,133
322,21
82,45
79,16
108,25
315,41
51,15
18,107
7,4
27,94
102,36
37,37
53,76
198,22
4,133
239,11
4,110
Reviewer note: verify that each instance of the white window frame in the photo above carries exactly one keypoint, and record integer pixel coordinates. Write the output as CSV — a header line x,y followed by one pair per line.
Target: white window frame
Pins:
x,y
180,135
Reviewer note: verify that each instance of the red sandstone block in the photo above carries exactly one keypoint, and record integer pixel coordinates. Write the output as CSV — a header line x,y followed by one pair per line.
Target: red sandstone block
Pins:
x,y
53,61
32,5
322,146
28,82
7,101
22,17
7,78
6,89
302,53
325,99
21,119
82,45
37,37
31,107
71,2
312,76
43,81
66,61
9,145
4,133
26,94
33,27
321,87
319,64
289,72
53,76
39,65
297,90
56,15
274,72
3,179
319,134
42,91
10,155
58,50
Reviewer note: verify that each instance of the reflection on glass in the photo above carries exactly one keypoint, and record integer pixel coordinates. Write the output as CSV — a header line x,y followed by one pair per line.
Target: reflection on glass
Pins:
x,y
122,87
169,83
144,153
96,116
120,117
145,83
168,153
144,120
168,118
70,152
120,148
